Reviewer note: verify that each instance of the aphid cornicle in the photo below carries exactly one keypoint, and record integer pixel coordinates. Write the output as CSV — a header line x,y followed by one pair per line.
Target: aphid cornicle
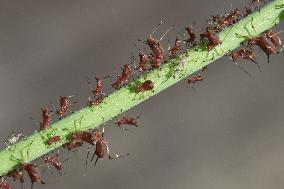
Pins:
x,y
126,74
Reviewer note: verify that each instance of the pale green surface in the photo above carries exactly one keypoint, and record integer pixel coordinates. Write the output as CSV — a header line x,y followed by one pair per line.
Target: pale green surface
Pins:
x,y
124,98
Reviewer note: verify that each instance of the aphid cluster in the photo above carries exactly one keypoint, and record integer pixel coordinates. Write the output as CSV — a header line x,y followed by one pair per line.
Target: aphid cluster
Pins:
x,y
269,43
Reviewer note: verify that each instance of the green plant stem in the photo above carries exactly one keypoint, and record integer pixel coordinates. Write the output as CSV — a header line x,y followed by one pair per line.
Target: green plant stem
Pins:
x,y
123,99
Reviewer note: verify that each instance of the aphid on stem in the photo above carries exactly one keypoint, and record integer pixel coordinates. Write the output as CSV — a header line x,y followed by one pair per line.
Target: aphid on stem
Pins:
x,y
126,74
53,140
192,36
127,121
145,86
46,118
177,46
33,172
64,106
245,54
16,175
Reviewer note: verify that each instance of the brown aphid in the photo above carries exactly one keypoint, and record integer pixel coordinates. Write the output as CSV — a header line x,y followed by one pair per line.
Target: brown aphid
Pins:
x,y
192,36
194,79
101,148
229,19
33,172
158,52
263,42
96,101
53,140
64,106
177,46
16,175
46,118
247,54
213,39
53,160
145,86
127,121
126,74
143,60
5,185
274,38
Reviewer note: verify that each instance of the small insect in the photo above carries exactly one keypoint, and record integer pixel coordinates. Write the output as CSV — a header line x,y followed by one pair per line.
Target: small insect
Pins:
x,y
64,106
53,160
126,74
16,175
192,36
95,102
177,46
33,172
46,118
72,145
143,60
145,86
90,137
157,52
13,138
274,38
245,54
53,140
101,147
127,121
194,79
263,42
229,19
213,39
5,185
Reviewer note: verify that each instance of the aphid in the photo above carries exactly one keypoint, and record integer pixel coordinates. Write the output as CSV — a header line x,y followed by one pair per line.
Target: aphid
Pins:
x,y
127,121
46,118
157,52
145,86
95,101
229,19
5,185
64,106
274,38
126,74
245,54
33,172
13,138
85,136
16,175
143,60
192,36
54,161
213,39
175,48
101,147
194,79
72,145
53,140
263,42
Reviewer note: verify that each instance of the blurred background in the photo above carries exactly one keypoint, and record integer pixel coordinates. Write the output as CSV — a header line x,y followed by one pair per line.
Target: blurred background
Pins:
x,y
227,132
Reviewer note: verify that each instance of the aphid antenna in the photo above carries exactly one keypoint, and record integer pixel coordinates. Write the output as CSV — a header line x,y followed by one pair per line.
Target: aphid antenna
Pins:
x,y
156,28
244,70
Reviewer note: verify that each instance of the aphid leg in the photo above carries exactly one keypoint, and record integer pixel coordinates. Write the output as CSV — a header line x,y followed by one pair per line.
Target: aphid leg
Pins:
x,y
245,71
87,156
156,28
